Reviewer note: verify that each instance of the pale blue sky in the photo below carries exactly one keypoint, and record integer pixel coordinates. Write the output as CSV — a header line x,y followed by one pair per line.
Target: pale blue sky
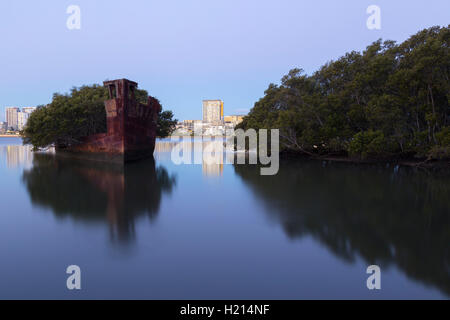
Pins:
x,y
186,51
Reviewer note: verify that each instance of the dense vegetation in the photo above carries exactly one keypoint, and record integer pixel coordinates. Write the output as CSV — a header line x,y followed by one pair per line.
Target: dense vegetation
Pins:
x,y
391,100
69,117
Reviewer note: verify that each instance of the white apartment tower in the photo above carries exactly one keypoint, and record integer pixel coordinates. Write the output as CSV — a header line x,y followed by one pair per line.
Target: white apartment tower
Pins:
x,y
22,117
12,115
17,119
212,111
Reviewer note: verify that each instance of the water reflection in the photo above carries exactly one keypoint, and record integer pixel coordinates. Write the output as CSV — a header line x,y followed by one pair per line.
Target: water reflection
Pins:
x,y
89,191
390,218
212,153
16,156
212,170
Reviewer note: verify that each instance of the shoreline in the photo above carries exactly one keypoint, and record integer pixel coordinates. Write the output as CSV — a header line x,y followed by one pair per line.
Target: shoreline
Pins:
x,y
420,163
406,162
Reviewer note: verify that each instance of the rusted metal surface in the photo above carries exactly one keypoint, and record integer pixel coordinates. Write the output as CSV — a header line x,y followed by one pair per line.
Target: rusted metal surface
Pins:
x,y
131,127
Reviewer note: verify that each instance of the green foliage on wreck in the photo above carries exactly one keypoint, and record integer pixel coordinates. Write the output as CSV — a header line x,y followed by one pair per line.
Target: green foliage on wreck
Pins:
x,y
80,113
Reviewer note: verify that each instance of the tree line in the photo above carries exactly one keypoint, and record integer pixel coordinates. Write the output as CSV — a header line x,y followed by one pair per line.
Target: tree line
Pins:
x,y
389,101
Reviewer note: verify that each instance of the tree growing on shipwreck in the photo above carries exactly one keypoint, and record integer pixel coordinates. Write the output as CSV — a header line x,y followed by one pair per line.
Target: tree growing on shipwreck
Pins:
x,y
116,119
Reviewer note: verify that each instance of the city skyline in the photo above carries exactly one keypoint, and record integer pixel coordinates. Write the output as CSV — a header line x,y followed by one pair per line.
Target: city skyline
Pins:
x,y
21,115
16,117
184,62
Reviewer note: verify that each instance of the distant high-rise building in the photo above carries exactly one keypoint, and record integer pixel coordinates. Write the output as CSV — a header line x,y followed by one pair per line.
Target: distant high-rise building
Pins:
x,y
12,117
212,111
22,117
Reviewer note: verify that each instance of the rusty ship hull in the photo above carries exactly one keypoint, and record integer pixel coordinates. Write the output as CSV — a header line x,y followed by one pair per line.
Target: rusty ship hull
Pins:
x,y
131,128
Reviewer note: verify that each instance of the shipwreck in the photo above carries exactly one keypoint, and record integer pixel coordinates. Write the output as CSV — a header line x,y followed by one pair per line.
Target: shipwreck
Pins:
x,y
131,128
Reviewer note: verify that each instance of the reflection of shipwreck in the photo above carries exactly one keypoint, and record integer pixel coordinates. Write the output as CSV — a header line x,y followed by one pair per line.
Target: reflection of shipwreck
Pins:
x,y
94,192
131,128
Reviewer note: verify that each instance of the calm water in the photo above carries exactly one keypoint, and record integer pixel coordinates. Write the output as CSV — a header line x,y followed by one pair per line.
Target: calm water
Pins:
x,y
160,230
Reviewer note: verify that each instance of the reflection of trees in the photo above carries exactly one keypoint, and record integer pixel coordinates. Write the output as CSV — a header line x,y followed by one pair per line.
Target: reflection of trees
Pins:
x,y
96,192
384,217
